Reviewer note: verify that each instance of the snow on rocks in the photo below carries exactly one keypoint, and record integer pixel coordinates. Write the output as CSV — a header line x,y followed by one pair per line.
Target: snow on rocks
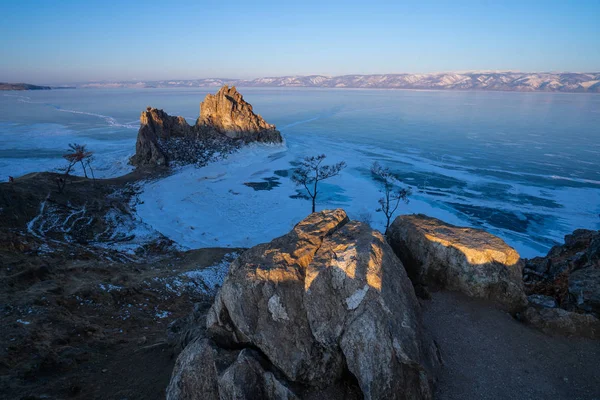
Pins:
x,y
205,281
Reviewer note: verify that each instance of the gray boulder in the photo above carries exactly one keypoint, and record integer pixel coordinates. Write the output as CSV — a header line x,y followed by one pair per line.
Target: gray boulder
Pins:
x,y
584,289
195,376
467,260
204,371
562,322
542,301
328,310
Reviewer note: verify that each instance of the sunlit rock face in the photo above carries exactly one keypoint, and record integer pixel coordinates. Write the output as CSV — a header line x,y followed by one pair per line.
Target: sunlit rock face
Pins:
x,y
228,113
225,119
330,308
468,260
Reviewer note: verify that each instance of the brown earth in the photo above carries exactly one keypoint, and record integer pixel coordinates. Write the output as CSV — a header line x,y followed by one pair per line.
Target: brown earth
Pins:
x,y
78,318
65,333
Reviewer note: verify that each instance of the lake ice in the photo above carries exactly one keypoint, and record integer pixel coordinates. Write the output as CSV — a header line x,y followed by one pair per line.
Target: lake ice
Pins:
x,y
524,166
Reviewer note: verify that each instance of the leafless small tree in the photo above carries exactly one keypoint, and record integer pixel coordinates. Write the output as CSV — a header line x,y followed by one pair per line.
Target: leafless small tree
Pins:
x,y
61,181
88,162
392,196
311,171
79,154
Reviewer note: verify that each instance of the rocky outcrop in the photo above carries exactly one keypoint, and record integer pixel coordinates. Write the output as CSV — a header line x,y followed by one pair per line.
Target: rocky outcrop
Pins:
x,y
229,114
226,119
570,273
156,126
324,311
467,260
558,321
569,279
205,371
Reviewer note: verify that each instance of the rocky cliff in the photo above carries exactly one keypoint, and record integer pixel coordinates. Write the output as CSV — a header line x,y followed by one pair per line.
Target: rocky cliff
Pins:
x,y
226,121
157,126
229,114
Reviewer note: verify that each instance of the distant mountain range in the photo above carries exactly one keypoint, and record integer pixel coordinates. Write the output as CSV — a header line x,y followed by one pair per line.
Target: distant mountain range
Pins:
x,y
498,81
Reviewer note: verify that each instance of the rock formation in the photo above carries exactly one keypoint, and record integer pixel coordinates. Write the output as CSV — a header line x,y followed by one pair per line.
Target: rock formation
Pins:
x,y
563,322
228,113
570,273
325,311
156,126
468,260
568,279
226,119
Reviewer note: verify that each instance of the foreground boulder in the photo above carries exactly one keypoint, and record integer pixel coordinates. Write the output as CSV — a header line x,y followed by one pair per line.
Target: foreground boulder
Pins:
x,y
467,260
226,121
324,311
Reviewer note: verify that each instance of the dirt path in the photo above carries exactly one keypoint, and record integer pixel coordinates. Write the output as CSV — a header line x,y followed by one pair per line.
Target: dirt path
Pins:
x,y
489,355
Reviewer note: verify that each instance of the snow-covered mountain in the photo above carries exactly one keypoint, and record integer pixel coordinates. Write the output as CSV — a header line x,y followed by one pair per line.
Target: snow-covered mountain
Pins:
x,y
502,81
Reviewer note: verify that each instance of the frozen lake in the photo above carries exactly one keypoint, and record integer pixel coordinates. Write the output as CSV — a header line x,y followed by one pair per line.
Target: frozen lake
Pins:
x,y
524,166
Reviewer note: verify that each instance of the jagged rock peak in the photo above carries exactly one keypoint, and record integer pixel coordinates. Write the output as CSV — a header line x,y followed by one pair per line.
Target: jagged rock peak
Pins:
x,y
164,124
226,122
156,125
228,113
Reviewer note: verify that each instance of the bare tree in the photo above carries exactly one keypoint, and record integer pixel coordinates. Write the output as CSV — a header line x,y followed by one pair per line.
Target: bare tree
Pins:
x,y
79,154
392,196
61,181
88,162
310,172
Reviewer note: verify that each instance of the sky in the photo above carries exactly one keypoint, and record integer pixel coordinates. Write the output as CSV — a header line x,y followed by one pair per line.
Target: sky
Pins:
x,y
63,41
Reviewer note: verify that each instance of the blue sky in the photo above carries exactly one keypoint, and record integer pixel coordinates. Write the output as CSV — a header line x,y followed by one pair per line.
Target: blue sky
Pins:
x,y
74,41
